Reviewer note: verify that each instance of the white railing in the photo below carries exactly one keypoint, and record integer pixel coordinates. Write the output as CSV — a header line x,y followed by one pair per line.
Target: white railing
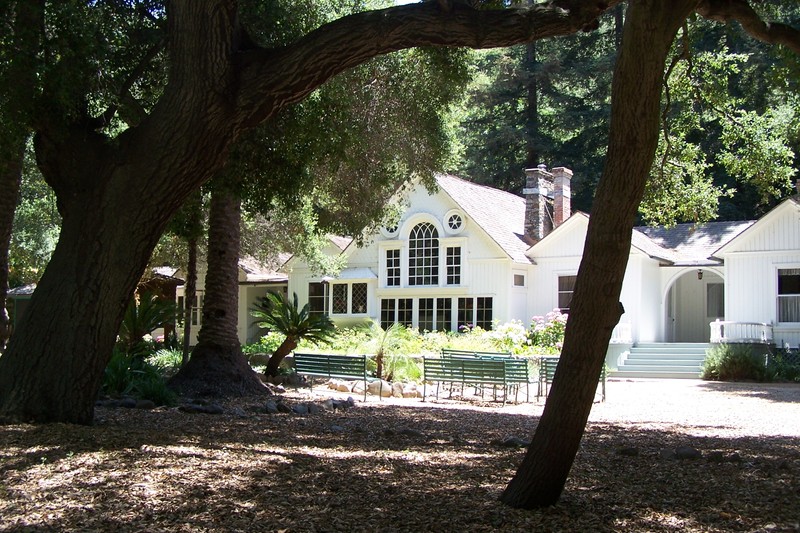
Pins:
x,y
740,332
621,334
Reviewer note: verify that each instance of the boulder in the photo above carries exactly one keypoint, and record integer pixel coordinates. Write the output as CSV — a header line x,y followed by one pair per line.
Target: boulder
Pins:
x,y
397,390
380,387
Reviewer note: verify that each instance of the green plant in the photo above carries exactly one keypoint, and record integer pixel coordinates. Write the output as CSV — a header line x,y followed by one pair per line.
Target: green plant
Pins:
x,y
733,362
784,366
167,361
117,378
547,332
142,316
129,374
277,313
152,386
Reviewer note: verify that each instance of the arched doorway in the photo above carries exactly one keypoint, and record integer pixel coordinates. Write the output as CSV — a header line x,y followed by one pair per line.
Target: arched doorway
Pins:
x,y
694,300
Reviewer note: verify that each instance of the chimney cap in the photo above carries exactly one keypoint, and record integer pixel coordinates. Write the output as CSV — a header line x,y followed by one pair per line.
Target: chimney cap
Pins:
x,y
541,166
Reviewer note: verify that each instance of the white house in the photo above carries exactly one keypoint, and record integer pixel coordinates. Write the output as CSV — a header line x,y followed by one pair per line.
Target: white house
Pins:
x,y
467,254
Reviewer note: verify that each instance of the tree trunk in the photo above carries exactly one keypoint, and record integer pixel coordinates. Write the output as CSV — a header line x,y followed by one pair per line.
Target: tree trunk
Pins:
x,y
274,363
10,179
649,30
189,295
218,366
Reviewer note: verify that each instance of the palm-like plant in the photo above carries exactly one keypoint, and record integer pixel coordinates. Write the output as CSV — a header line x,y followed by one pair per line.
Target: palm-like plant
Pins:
x,y
275,312
141,318
383,341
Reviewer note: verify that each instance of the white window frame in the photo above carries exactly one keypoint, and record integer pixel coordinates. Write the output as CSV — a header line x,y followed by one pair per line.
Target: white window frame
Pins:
x,y
778,268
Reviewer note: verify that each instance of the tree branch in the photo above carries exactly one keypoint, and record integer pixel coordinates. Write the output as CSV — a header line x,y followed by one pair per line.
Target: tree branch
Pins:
x,y
741,12
272,79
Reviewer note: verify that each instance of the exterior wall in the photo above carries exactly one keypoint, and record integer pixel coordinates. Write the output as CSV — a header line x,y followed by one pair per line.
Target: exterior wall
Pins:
x,y
755,277
751,266
486,271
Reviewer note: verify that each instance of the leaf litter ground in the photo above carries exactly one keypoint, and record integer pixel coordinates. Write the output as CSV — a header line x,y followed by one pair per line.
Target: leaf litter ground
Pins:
x,y
408,465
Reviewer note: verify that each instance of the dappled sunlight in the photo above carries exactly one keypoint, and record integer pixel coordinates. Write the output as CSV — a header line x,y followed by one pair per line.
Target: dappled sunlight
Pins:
x,y
407,466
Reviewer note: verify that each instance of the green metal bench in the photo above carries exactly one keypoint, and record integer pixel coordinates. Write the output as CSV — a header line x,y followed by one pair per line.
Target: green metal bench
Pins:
x,y
547,370
333,366
516,369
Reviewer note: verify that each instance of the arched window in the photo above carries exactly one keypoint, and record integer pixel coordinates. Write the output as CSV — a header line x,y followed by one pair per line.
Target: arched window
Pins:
x,y
423,255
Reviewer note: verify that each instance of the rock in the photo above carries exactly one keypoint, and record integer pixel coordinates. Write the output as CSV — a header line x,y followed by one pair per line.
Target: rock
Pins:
x,y
512,442
687,452
283,408
358,387
397,390
410,432
239,412
271,407
734,458
667,454
347,386
145,404
328,404
129,403
380,387
337,429
343,404
300,409
314,409
628,452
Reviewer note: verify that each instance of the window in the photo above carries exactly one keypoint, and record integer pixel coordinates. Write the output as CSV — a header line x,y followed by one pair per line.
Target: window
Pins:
x,y
789,295
423,255
483,313
715,300
444,313
405,311
197,308
388,312
339,291
519,280
454,222
566,286
317,298
393,268
425,321
465,313
453,265
358,304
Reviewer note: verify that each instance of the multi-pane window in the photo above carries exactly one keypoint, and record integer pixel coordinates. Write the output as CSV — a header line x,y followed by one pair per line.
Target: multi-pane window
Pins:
x,y
388,312
423,255
789,295
339,297
453,258
405,311
393,268
197,308
425,319
358,304
444,313
483,313
566,286
317,298
466,316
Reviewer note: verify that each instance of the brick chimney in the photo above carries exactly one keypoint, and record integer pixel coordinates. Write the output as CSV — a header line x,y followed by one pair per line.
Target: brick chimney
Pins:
x,y
538,207
562,195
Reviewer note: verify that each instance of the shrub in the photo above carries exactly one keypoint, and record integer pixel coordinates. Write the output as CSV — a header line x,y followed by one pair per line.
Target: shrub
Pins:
x,y
733,362
784,366
129,374
547,332
167,361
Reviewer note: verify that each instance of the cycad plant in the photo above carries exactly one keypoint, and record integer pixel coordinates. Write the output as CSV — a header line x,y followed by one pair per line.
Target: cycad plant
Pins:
x,y
141,318
276,313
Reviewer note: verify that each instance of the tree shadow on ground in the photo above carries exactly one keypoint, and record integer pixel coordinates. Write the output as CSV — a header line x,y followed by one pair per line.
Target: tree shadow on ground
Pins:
x,y
377,467
774,392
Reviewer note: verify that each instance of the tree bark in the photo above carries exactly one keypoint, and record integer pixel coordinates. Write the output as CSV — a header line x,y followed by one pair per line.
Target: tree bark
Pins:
x,y
649,31
280,353
217,365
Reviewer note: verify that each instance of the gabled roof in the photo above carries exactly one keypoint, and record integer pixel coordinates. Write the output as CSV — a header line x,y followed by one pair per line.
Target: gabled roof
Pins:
x,y
689,244
258,272
500,214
